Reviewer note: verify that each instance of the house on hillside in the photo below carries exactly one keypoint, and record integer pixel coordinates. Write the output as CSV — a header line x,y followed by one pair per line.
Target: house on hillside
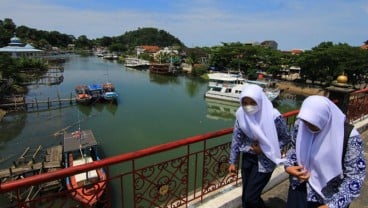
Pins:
x,y
365,46
147,49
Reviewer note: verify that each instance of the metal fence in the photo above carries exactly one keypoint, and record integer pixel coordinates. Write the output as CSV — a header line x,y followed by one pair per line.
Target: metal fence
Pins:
x,y
357,108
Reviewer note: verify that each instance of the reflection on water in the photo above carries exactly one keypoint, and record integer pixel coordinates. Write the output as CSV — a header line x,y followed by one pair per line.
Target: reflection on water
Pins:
x,y
217,109
11,127
163,79
288,102
220,109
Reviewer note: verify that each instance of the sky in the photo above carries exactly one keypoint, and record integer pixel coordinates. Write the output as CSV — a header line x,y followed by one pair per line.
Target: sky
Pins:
x,y
293,24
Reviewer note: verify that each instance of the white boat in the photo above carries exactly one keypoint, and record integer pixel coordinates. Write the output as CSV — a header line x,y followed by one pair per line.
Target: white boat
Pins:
x,y
227,87
136,63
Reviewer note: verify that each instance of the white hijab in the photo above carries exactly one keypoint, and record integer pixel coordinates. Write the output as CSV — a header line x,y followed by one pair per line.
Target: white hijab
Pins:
x,y
260,126
320,153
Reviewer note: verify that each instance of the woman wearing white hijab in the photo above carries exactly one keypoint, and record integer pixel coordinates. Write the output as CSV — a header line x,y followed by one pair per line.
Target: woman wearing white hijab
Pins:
x,y
320,176
260,132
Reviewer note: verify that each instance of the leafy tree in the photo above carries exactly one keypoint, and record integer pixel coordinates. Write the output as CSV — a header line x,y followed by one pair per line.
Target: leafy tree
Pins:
x,y
327,61
83,42
7,67
9,25
104,41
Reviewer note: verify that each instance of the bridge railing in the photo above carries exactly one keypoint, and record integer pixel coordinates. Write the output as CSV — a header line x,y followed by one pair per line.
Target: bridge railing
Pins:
x,y
357,107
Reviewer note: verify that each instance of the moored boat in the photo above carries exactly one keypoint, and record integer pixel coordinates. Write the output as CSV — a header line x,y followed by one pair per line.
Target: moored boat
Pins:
x,y
109,93
80,147
227,87
82,94
96,91
164,69
136,63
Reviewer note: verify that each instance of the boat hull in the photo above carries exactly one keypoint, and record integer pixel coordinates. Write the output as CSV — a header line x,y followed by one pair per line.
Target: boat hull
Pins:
x,y
227,87
88,194
163,69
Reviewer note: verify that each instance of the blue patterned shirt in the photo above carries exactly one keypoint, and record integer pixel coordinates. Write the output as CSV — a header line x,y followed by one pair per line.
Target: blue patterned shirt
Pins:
x,y
242,143
341,190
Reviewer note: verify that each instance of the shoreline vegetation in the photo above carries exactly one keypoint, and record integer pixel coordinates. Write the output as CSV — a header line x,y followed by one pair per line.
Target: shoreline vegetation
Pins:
x,y
304,90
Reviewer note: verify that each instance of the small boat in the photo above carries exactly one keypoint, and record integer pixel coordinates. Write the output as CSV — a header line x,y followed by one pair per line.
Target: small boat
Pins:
x,y
96,91
164,69
227,87
80,147
82,94
110,56
109,93
136,63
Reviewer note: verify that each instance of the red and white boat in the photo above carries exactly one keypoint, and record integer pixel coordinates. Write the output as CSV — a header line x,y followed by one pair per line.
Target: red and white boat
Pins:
x,y
80,147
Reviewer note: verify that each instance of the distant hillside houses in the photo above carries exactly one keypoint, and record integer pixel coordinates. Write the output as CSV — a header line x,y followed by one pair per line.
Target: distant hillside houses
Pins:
x,y
290,73
365,45
156,51
18,49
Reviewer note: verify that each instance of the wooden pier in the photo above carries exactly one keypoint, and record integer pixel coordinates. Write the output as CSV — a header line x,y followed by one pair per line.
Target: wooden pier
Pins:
x,y
21,103
33,162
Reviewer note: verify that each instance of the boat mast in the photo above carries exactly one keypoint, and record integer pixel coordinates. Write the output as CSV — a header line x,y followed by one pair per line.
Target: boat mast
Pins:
x,y
80,137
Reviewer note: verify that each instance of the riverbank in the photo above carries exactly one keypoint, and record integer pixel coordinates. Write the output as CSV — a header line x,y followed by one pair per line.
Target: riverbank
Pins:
x,y
298,89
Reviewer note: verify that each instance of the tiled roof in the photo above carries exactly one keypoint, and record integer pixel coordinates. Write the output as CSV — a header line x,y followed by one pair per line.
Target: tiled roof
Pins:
x,y
150,49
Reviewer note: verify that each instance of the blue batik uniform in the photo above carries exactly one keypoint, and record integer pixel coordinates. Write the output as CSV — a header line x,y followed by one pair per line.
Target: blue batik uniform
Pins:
x,y
242,143
343,189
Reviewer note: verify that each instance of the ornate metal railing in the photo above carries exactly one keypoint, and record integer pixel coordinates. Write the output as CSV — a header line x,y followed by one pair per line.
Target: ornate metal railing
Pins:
x,y
357,108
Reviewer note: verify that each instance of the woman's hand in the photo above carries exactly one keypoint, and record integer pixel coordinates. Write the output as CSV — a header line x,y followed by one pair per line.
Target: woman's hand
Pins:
x,y
298,171
256,148
232,170
323,206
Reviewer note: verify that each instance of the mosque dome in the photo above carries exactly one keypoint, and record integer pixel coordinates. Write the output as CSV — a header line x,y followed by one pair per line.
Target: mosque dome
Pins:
x,y
15,41
342,79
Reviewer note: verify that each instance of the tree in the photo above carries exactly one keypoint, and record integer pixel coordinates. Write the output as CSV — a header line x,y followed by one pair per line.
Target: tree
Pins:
x,y
83,42
327,61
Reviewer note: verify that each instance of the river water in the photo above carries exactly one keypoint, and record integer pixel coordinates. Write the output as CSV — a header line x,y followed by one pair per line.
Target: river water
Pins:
x,y
152,109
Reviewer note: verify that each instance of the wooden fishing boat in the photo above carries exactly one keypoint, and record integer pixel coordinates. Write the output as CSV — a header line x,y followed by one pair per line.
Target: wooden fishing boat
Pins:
x,y
80,147
109,93
82,94
96,91
164,69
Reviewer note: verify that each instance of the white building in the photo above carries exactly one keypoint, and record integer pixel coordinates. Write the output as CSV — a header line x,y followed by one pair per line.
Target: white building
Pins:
x,y
17,49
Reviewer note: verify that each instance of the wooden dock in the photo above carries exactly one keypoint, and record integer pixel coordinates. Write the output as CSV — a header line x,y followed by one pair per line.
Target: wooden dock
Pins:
x,y
33,162
21,103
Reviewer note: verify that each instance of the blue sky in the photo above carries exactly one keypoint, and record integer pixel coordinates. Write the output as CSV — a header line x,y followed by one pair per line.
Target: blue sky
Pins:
x,y
293,24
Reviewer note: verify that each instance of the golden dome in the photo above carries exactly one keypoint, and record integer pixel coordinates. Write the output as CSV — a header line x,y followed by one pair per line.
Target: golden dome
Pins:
x,y
343,79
